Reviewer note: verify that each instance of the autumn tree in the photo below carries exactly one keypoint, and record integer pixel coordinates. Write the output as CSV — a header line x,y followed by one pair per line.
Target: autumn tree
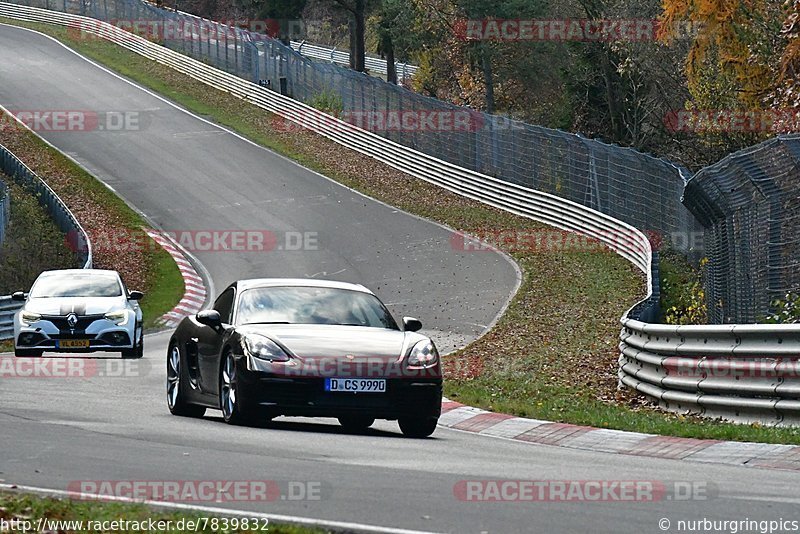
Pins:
x,y
787,91
735,43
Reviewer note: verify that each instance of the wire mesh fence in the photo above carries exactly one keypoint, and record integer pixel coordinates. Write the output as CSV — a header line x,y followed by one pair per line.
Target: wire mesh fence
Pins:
x,y
749,204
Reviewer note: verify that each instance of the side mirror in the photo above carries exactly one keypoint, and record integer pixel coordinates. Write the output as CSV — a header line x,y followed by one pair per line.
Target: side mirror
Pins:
x,y
210,318
18,295
135,295
411,325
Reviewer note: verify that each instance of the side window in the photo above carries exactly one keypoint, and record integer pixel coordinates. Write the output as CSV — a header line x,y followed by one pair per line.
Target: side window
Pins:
x,y
224,305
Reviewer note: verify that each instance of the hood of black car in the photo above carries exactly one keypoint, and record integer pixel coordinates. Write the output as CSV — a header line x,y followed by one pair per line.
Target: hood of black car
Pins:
x,y
311,342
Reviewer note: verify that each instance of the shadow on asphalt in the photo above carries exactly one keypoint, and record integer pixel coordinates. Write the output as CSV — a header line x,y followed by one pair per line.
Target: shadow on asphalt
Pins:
x,y
316,428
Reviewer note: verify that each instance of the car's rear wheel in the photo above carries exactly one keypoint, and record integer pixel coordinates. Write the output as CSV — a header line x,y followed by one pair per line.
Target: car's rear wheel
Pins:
x,y
235,409
28,353
417,427
356,422
176,398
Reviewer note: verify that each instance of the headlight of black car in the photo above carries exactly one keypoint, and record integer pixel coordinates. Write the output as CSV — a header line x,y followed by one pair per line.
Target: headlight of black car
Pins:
x,y
263,348
423,356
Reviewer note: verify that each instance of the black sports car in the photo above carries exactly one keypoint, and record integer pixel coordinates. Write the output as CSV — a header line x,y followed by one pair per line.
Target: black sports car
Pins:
x,y
301,347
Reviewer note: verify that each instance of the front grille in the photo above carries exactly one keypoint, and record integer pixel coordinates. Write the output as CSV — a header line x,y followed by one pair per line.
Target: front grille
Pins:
x,y
60,321
70,335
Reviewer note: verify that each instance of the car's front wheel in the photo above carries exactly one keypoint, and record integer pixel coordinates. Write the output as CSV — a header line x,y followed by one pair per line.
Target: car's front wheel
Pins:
x,y
235,409
417,427
28,353
356,423
136,352
176,398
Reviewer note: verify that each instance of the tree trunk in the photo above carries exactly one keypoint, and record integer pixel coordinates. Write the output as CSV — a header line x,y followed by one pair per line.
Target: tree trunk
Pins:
x,y
388,50
360,29
352,26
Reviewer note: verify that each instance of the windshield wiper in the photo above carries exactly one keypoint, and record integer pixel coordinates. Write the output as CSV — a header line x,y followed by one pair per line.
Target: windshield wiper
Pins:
x,y
270,322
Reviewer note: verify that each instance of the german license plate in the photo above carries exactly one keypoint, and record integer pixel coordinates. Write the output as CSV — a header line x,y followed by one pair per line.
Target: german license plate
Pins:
x,y
356,385
72,343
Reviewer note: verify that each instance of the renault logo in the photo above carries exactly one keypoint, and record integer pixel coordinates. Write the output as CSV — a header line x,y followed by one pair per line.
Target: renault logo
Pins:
x,y
72,320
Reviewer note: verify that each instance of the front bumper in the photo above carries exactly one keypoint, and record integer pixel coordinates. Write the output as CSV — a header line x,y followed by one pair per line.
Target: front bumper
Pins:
x,y
305,396
101,334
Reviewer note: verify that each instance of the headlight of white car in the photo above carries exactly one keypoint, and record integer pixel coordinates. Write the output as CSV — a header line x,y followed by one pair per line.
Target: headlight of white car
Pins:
x,y
423,355
263,348
26,318
119,317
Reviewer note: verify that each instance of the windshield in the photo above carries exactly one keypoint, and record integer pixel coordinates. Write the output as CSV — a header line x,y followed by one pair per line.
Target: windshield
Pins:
x,y
76,285
312,305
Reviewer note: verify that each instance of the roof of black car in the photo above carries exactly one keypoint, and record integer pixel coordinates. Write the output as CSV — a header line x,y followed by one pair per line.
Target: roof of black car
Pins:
x,y
298,282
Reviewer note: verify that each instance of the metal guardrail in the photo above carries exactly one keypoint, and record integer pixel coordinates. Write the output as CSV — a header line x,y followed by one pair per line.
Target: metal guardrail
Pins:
x,y
342,57
8,308
646,349
62,216
5,210
745,373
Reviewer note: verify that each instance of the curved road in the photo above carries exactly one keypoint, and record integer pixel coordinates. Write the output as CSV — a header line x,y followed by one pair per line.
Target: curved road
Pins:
x,y
186,174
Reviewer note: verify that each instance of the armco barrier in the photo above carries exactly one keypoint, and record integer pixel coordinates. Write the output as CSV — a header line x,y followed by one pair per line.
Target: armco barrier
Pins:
x,y
342,57
646,348
5,210
8,308
745,373
64,219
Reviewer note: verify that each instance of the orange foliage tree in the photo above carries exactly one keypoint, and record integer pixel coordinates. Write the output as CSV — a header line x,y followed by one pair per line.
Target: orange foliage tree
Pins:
x,y
736,47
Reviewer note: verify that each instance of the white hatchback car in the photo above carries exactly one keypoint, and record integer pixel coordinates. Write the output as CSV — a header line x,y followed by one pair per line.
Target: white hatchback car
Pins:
x,y
79,310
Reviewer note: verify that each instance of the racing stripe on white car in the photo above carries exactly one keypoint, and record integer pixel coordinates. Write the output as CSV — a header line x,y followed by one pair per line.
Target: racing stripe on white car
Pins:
x,y
194,295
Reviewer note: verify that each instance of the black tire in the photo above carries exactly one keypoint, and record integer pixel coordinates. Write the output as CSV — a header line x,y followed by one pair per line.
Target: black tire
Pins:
x,y
356,423
416,427
176,380
235,409
136,352
28,353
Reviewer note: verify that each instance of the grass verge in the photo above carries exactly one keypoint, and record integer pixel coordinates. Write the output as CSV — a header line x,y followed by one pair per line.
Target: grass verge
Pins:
x,y
553,355
103,214
78,516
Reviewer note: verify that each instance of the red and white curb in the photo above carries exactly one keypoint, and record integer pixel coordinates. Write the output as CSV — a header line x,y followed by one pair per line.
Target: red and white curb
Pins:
x,y
194,295
764,455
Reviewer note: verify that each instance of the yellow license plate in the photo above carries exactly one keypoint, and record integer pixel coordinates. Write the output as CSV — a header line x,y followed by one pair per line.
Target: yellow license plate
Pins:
x,y
72,344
